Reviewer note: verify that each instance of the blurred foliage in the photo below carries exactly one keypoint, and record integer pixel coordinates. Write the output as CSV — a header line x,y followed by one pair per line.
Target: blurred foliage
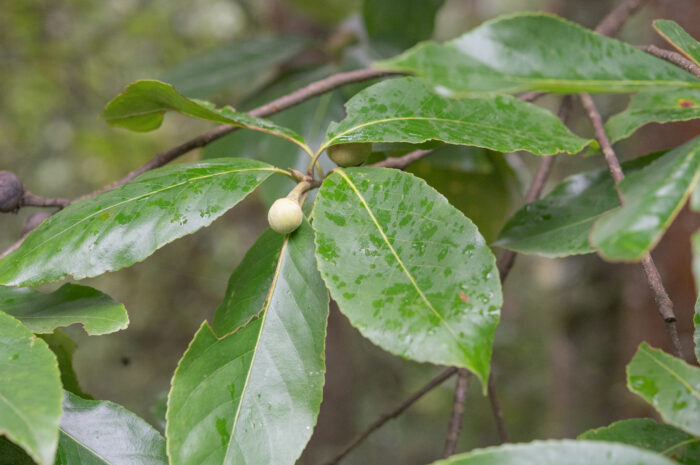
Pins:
x,y
558,359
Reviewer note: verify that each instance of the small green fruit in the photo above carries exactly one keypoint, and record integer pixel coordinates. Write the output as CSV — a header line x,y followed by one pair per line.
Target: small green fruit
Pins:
x,y
285,216
349,154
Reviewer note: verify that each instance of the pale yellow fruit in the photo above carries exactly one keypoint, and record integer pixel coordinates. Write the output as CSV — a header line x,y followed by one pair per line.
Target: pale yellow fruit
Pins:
x,y
349,154
285,216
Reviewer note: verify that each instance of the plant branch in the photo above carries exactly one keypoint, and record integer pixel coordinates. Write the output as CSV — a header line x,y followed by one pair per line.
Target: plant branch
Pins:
x,y
403,161
610,25
673,57
33,200
663,302
455,426
497,411
393,413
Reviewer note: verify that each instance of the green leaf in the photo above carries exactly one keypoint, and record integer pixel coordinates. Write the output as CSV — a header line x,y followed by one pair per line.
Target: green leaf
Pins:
x,y
669,384
30,391
695,240
564,452
64,347
386,21
679,38
653,196
536,51
252,394
102,433
645,433
125,225
143,104
12,454
243,66
559,224
410,271
71,303
406,110
654,107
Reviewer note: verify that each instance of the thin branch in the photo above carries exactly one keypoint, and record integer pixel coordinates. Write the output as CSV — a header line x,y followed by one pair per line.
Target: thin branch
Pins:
x,y
393,413
663,302
295,98
33,200
455,426
673,57
403,161
497,411
611,24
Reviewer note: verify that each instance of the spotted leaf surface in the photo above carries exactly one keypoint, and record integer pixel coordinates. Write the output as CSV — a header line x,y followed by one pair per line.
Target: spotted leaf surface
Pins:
x,y
410,271
654,107
559,453
248,390
407,110
71,303
103,433
652,196
125,225
534,51
30,391
679,38
669,384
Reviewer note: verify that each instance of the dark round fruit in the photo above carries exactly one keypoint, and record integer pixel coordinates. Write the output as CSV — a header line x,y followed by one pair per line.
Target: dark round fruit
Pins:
x,y
349,154
11,192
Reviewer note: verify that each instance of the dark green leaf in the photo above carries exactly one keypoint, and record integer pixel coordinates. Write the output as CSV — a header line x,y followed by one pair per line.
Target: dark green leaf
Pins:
x,y
11,454
559,224
400,23
251,395
681,40
123,226
695,239
669,384
243,66
653,196
647,434
102,433
536,51
409,270
406,110
64,347
30,391
654,107
71,303
143,104
558,453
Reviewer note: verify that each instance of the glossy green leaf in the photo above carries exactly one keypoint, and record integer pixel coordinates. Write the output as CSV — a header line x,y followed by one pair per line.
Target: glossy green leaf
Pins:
x,y
669,384
310,119
71,303
125,225
536,51
410,271
559,224
386,21
679,38
406,110
654,107
251,396
102,433
30,391
695,240
241,67
64,347
143,104
652,197
564,452
645,433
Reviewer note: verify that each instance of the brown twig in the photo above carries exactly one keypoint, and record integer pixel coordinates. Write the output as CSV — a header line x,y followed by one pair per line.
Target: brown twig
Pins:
x,y
294,98
393,413
673,57
403,161
497,411
455,426
33,200
610,25
663,302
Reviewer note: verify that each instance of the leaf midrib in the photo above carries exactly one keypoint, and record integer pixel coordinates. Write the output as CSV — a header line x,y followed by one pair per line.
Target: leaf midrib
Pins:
x,y
687,385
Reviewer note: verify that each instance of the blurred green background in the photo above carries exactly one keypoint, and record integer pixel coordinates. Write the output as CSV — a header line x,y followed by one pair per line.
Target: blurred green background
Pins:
x,y
569,326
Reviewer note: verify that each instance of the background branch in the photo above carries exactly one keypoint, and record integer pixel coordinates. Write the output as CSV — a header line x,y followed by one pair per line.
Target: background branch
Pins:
x,y
673,57
455,426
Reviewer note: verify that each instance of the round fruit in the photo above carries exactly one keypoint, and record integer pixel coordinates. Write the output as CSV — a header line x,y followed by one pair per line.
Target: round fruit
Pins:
x,y
349,154
11,192
285,216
